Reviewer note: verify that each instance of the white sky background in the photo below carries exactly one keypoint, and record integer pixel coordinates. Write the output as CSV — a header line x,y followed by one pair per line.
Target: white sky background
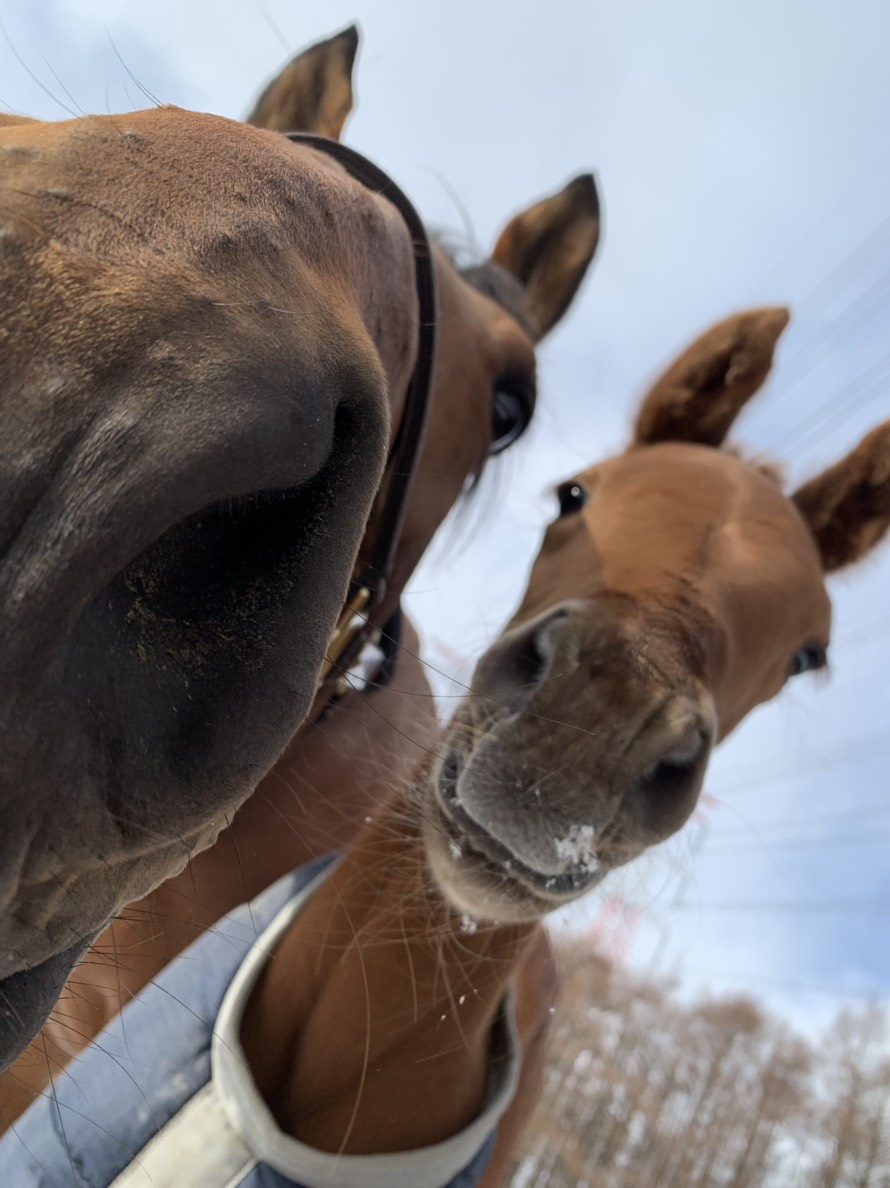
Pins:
x,y
743,157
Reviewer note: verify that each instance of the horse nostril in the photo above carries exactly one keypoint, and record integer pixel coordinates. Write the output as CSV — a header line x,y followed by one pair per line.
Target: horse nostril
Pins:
x,y
666,777
530,663
674,770
513,669
519,663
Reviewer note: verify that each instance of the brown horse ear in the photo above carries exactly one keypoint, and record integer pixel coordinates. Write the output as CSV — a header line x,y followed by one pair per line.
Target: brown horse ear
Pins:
x,y
313,93
847,507
549,248
700,395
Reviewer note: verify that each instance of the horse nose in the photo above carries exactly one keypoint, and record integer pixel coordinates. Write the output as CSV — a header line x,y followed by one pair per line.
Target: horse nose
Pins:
x,y
516,665
675,755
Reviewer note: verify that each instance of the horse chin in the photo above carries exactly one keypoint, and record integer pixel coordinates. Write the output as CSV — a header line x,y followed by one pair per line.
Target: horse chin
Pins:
x,y
480,890
27,997
479,875
170,697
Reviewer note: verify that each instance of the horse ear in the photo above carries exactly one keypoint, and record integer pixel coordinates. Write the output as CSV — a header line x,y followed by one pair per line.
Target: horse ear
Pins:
x,y
847,507
701,394
313,93
549,247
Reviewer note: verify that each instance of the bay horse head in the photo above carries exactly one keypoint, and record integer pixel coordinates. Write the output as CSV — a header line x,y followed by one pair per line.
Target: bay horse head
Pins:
x,y
678,588
492,313
208,333
194,417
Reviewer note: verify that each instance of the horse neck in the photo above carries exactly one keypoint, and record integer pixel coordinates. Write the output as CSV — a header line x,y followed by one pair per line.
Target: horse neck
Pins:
x,y
369,1030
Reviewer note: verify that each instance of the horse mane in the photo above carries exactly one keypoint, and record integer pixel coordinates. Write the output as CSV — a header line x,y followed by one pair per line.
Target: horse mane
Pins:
x,y
771,468
494,281
484,275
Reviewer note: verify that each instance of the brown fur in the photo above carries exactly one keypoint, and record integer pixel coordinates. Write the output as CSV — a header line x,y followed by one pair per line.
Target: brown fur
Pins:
x,y
688,578
549,248
700,395
847,507
313,93
196,314
329,777
656,616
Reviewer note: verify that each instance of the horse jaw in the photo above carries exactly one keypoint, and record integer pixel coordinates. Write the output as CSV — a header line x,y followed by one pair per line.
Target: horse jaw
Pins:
x,y
187,478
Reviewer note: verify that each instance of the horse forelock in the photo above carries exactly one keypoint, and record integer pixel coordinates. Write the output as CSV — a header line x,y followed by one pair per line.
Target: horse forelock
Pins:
x,y
493,281
772,469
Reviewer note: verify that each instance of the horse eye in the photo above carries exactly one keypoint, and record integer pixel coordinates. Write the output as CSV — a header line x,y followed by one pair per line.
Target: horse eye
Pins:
x,y
807,659
572,497
510,415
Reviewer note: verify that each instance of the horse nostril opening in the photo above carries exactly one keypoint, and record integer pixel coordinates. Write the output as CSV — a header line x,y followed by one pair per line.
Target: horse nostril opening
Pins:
x,y
666,777
682,764
518,665
530,663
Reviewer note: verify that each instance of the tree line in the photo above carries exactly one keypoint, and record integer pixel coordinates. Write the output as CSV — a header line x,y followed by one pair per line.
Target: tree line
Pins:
x,y
644,1090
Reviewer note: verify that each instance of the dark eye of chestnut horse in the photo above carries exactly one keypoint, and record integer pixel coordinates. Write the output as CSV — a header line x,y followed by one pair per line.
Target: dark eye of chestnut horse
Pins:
x,y
511,412
572,497
807,659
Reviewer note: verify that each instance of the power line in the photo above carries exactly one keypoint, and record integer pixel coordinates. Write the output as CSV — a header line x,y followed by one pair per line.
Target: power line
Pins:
x,y
825,218
830,842
864,248
844,414
849,398
865,631
854,904
784,823
757,776
812,353
791,984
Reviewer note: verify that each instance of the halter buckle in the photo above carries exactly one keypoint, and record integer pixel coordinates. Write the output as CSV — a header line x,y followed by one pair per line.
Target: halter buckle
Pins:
x,y
349,624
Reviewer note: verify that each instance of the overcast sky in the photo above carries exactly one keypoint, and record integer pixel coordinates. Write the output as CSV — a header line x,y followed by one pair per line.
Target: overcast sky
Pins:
x,y
743,157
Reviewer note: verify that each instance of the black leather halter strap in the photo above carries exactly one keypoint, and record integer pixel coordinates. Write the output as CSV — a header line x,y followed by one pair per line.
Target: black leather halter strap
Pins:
x,y
356,626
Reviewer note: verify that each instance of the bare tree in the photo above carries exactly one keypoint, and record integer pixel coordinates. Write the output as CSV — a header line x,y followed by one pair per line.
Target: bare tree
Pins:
x,y
645,1091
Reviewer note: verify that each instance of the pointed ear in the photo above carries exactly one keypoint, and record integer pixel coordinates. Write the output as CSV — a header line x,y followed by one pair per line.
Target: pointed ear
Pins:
x,y
549,248
701,394
313,93
847,507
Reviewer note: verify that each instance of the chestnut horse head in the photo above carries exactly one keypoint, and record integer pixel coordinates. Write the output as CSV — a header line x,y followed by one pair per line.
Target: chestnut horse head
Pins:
x,y
208,333
678,588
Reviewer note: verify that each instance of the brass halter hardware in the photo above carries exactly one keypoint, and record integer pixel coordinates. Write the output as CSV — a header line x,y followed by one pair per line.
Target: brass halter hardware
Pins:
x,y
351,622
356,627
